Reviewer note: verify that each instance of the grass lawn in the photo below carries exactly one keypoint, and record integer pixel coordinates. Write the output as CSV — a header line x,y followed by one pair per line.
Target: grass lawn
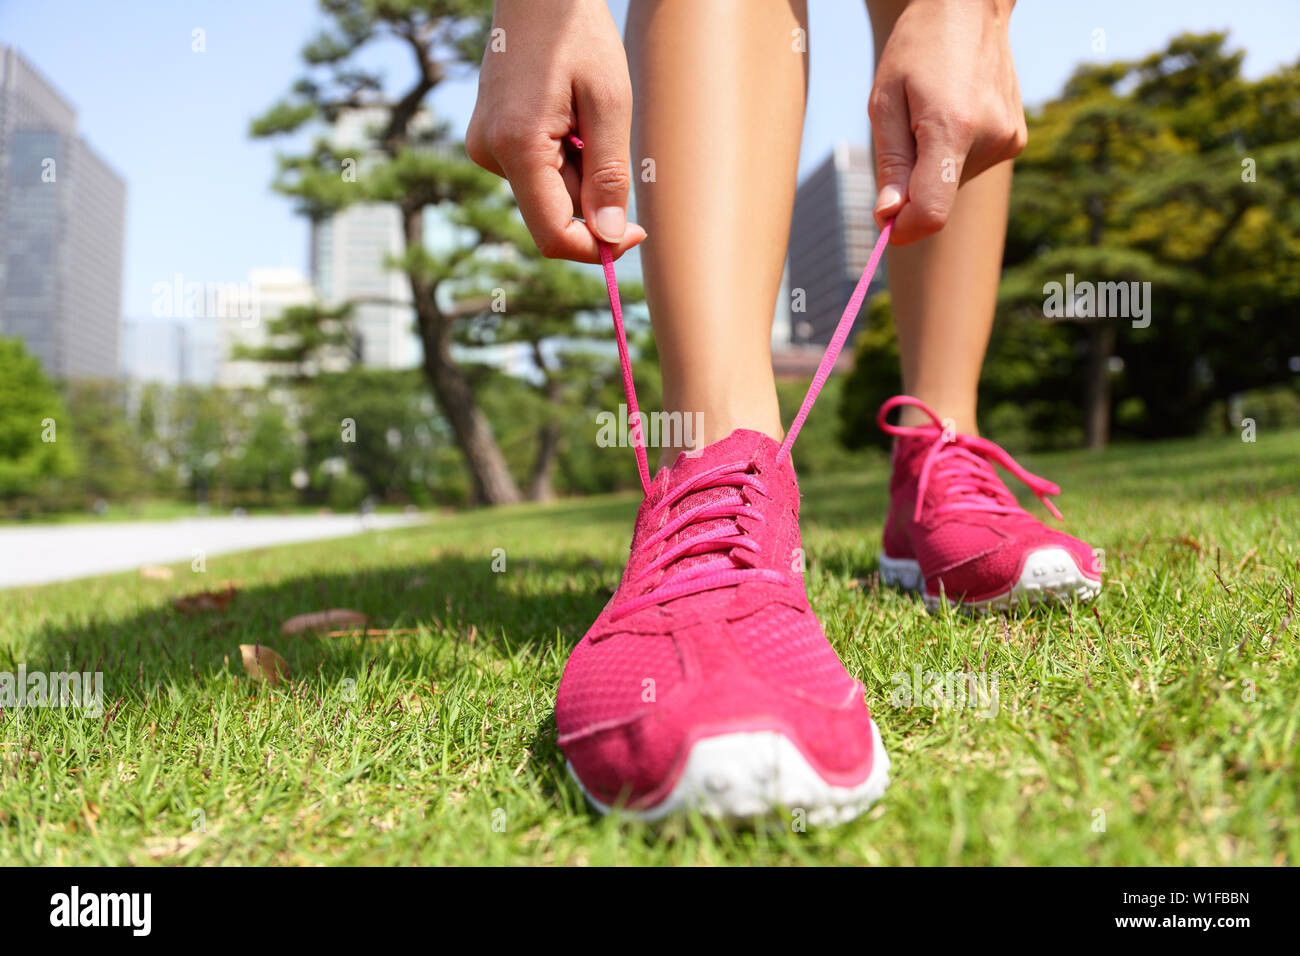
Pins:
x,y
1161,729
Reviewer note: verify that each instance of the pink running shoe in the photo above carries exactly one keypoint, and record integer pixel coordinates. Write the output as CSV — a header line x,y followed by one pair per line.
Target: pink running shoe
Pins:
x,y
706,683
956,532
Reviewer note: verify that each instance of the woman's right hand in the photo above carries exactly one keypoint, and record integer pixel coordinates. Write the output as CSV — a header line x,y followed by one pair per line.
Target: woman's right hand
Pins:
x,y
552,69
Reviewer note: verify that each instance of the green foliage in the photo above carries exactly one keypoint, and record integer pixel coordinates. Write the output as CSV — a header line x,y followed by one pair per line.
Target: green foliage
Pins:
x,y
1030,377
458,289
874,378
303,339
111,448
266,459
1172,170
203,437
355,434
34,448
819,450
370,432
283,117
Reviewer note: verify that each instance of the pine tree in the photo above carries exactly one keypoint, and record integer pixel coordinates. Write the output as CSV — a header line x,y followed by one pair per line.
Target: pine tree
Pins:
x,y
413,163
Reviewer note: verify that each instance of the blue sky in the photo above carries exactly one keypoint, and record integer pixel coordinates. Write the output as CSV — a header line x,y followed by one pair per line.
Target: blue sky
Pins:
x,y
174,122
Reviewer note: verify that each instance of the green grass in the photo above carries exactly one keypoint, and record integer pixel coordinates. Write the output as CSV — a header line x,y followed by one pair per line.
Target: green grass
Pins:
x,y
1173,711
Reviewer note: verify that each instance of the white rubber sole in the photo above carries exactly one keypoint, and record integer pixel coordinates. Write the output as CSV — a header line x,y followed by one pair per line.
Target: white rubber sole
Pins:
x,y
757,774
1050,576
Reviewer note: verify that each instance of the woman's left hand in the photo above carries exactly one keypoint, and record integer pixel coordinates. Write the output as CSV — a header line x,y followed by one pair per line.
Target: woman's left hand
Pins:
x,y
945,106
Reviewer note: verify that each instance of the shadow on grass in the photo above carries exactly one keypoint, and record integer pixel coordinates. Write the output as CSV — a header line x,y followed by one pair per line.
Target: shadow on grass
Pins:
x,y
479,624
458,599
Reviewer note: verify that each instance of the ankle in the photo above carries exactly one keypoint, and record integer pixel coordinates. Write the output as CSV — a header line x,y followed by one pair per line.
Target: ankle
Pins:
x,y
688,427
960,418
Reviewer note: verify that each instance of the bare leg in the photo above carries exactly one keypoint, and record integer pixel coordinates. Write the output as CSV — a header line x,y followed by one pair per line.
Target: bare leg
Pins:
x,y
719,89
943,289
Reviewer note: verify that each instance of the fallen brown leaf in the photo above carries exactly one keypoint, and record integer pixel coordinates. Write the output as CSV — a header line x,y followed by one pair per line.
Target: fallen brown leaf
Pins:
x,y
263,664
323,621
91,814
205,600
162,848
154,572
374,632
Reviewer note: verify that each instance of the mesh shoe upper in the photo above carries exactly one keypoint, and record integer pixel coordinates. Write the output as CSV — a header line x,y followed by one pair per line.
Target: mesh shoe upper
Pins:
x,y
652,675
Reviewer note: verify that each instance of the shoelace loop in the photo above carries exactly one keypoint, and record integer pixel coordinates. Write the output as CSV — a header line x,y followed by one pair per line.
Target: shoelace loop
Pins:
x,y
967,461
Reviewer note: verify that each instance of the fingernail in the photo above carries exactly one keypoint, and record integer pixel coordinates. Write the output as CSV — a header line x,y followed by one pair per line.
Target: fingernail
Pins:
x,y
889,196
611,223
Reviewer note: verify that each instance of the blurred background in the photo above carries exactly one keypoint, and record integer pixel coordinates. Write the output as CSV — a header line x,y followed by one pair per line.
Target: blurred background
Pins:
x,y
245,263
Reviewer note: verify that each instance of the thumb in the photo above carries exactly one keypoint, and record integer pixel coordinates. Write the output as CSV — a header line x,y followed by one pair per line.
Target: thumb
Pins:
x,y
891,134
604,125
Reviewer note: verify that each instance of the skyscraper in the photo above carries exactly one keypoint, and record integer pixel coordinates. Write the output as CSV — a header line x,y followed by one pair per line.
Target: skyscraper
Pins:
x,y
350,255
62,219
349,260
169,351
274,290
832,234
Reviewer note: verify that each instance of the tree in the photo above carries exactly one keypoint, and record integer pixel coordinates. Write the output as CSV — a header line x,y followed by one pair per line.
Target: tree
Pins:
x,y
535,303
34,447
1170,170
375,426
304,339
268,455
108,444
202,438
412,163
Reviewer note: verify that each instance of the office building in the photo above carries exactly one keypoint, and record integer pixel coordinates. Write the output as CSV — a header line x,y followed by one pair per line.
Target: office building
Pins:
x,y
62,223
832,234
351,253
169,351
270,292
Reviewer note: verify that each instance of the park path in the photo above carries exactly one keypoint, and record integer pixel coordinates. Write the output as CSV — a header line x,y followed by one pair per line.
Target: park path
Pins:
x,y
39,554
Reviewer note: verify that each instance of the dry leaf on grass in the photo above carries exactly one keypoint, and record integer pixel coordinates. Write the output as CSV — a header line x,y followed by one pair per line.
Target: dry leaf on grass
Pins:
x,y
166,848
154,572
375,633
323,621
205,600
264,664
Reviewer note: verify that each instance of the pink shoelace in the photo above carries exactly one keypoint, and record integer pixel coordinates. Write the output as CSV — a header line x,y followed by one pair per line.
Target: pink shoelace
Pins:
x,y
967,462
714,528
720,537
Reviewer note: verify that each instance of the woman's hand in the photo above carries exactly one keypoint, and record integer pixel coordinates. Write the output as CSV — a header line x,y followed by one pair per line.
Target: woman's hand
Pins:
x,y
945,106
554,67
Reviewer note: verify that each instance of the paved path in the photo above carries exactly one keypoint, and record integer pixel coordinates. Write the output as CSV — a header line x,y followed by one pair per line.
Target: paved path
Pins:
x,y
43,553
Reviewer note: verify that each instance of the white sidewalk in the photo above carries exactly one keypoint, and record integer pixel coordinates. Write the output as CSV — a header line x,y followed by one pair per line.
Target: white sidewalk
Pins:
x,y
43,553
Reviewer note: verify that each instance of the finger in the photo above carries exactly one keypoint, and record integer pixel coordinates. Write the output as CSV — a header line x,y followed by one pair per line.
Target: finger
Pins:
x,y
932,187
544,202
478,148
572,173
547,207
891,132
605,128
484,159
